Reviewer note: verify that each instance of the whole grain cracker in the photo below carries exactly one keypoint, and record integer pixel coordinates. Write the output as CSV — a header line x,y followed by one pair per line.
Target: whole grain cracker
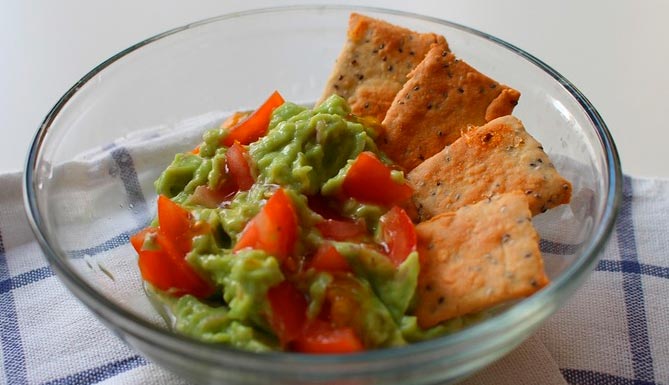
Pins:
x,y
441,98
374,63
477,257
492,159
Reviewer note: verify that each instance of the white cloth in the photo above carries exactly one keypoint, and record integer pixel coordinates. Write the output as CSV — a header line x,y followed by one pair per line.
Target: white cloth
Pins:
x,y
615,330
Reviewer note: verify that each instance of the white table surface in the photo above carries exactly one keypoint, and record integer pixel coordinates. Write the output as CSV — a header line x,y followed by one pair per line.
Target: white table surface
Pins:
x,y
616,52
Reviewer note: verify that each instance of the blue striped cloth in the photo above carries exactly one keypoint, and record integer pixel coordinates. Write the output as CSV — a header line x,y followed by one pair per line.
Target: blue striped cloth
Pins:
x,y
615,330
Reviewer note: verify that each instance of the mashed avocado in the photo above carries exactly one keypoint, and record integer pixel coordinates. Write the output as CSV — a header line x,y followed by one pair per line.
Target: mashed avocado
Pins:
x,y
307,152
304,148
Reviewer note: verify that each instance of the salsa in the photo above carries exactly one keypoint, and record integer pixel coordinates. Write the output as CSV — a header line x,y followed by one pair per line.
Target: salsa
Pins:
x,y
285,230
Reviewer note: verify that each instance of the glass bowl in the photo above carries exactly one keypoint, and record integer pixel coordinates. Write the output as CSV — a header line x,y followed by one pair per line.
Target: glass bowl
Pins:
x,y
180,82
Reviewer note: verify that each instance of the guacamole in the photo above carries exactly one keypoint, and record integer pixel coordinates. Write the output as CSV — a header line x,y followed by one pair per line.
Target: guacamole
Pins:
x,y
295,240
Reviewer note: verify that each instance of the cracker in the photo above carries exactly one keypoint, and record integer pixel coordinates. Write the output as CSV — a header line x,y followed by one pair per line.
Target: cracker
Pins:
x,y
441,98
477,257
492,159
374,63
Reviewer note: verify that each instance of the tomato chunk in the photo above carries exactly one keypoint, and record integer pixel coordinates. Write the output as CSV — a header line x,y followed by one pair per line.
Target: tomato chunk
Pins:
x,y
289,311
238,178
369,181
327,258
273,229
151,262
250,129
184,280
398,234
238,166
234,119
320,337
322,206
153,268
165,267
175,223
342,230
335,226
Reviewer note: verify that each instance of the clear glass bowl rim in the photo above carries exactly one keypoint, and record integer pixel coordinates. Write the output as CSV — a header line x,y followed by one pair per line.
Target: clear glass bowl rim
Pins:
x,y
140,328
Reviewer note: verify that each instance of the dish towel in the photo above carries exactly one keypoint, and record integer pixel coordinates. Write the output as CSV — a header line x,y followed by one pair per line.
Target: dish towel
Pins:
x,y
614,330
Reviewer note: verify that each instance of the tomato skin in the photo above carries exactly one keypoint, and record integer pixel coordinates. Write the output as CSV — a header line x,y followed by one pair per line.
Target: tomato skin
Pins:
x,y
320,337
369,181
273,229
327,258
398,234
289,311
238,166
250,129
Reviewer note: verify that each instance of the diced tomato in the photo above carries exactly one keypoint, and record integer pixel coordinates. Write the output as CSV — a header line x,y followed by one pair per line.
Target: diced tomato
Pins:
x,y
152,264
278,225
204,196
342,230
184,280
239,178
327,258
320,337
250,237
234,119
175,223
369,181
166,267
273,229
155,270
238,166
398,234
250,129
137,240
289,311
289,322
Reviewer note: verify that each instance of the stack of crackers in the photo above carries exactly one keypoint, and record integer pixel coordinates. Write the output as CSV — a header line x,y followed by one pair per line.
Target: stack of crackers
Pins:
x,y
478,176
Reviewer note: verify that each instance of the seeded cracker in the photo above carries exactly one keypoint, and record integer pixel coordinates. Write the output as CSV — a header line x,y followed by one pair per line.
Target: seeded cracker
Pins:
x,y
374,63
477,257
441,98
495,158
